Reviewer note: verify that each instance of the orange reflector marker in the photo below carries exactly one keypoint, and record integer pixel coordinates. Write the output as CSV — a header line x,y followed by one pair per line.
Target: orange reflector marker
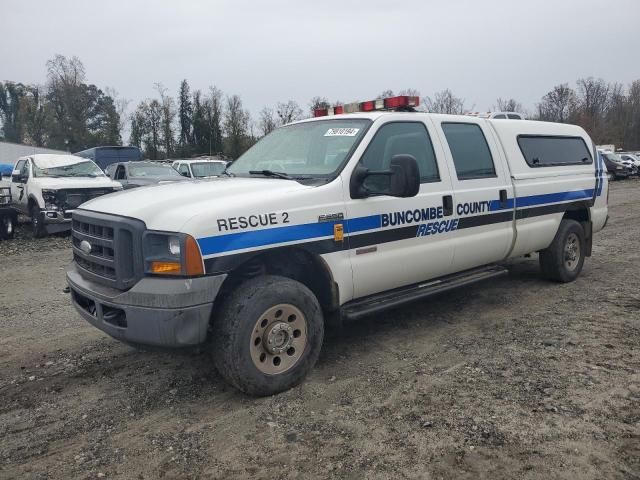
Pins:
x,y
167,268
338,232
193,258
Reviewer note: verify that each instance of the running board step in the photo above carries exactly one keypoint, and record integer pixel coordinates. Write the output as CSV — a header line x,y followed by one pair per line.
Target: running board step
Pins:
x,y
382,301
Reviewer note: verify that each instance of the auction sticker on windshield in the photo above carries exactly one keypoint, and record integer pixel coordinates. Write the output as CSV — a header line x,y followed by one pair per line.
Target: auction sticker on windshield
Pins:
x,y
342,132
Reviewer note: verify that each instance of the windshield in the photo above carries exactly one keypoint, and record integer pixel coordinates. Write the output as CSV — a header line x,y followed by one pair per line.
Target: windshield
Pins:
x,y
139,169
80,169
303,149
613,157
207,169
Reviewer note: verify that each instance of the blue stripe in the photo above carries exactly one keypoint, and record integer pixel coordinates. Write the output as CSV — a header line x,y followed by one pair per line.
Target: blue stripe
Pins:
x,y
309,231
533,200
363,223
268,236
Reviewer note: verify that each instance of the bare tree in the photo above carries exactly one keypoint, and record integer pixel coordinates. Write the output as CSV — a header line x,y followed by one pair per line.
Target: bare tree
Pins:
x,y
559,105
288,112
266,121
214,120
507,105
386,93
236,122
168,115
318,102
121,104
411,92
593,100
445,102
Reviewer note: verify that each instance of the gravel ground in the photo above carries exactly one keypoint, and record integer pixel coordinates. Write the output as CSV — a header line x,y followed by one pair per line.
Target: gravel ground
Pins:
x,y
514,378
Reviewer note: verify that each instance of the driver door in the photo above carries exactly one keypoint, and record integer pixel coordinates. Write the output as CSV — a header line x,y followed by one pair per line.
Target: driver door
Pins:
x,y
393,241
19,185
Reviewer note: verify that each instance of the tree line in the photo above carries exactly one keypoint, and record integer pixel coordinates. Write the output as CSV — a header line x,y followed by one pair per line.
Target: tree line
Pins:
x,y
67,113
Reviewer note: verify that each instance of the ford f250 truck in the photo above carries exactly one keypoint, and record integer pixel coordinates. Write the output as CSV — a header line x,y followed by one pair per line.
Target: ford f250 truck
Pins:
x,y
336,216
48,188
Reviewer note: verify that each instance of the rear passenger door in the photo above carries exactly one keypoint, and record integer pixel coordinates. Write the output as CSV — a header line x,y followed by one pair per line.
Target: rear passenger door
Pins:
x,y
483,190
393,241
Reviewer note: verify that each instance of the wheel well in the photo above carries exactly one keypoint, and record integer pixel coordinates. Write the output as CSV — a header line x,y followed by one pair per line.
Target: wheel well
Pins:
x,y
579,215
295,263
32,201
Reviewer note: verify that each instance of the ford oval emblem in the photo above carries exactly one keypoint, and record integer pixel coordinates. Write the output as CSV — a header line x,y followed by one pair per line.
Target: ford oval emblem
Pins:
x,y
85,247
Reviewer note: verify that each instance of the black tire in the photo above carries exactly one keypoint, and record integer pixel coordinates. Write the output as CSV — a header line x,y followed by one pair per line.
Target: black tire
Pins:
x,y
7,227
38,228
560,262
236,325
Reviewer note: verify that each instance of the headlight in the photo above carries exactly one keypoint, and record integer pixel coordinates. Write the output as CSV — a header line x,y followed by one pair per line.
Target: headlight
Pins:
x,y
171,254
50,198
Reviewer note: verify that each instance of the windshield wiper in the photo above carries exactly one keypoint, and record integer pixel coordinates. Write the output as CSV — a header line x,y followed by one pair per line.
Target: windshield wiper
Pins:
x,y
271,173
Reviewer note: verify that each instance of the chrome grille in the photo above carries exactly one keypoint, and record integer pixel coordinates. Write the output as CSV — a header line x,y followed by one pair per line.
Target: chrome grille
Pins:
x,y
106,248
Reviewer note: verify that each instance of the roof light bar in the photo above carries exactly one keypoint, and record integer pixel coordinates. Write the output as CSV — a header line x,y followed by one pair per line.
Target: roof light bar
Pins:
x,y
403,102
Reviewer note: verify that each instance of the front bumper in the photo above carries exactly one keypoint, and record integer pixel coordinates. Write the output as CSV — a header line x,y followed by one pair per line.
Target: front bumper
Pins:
x,y
155,311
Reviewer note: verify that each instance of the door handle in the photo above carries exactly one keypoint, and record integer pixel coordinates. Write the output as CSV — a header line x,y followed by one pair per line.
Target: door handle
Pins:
x,y
20,187
447,205
503,198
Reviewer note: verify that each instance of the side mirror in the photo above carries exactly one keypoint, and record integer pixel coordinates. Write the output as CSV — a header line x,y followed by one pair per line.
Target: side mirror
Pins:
x,y
401,180
184,174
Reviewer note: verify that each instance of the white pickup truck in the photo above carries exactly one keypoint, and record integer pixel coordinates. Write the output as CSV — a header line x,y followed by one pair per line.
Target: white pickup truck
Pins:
x,y
333,217
48,188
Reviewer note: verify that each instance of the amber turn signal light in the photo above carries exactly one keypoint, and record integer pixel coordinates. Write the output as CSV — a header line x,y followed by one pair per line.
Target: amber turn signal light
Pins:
x,y
167,268
192,258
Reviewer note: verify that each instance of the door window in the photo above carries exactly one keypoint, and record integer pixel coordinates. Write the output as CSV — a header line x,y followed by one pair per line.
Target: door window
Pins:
x,y
120,173
470,151
24,171
18,167
184,169
409,138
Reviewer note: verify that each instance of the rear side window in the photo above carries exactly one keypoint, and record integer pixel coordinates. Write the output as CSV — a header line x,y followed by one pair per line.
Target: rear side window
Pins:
x,y
513,116
469,149
550,151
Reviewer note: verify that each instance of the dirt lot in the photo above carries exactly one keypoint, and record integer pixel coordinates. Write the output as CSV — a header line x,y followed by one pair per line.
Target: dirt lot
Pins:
x,y
515,378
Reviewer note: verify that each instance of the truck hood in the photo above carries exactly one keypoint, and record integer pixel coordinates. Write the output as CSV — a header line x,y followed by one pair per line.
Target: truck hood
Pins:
x,y
75,182
169,206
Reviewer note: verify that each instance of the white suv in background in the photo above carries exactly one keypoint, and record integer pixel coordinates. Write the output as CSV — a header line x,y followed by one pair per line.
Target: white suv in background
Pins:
x,y
199,168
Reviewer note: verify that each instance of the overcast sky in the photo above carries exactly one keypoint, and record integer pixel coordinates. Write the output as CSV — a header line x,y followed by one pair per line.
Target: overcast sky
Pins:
x,y
269,51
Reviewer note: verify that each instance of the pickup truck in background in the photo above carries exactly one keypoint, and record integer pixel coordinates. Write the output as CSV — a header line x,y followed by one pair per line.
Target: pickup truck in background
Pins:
x,y
332,218
48,188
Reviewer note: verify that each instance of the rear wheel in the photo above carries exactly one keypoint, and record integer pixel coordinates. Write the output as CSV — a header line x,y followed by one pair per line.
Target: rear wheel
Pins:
x,y
7,227
562,261
267,335
37,222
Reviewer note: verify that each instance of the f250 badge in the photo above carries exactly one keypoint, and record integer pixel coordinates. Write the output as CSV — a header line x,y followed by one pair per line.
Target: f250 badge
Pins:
x,y
330,217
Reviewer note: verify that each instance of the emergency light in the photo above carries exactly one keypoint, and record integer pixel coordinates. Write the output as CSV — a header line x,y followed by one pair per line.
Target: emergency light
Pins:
x,y
403,102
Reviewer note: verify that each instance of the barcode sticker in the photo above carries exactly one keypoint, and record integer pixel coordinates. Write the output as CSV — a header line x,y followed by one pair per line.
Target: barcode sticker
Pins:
x,y
342,132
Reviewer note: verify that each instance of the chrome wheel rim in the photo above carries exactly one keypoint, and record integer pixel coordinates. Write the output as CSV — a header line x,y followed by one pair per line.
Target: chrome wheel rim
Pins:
x,y
278,339
572,252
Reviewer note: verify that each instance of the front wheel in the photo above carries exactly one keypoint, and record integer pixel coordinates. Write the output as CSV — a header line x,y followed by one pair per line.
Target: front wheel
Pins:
x,y
562,261
37,222
267,335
